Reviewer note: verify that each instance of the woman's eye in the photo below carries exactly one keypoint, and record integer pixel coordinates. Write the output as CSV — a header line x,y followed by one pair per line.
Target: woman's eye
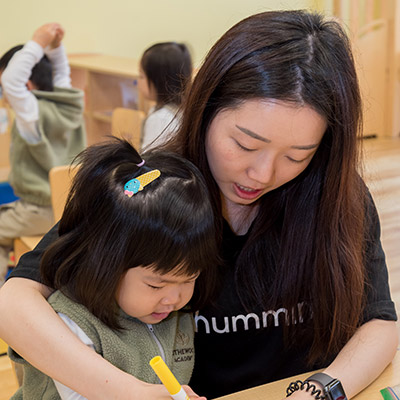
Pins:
x,y
243,147
295,161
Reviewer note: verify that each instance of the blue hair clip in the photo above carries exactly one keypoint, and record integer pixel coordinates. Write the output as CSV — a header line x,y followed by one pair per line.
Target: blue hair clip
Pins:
x,y
137,184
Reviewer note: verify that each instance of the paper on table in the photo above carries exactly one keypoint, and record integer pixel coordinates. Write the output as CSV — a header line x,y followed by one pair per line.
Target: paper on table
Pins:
x,y
391,393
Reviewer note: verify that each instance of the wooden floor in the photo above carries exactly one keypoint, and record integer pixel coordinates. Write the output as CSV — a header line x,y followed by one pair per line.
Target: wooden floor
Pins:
x,y
382,174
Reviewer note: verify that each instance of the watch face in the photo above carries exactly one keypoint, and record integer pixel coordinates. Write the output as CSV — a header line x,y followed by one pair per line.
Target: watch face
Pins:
x,y
335,391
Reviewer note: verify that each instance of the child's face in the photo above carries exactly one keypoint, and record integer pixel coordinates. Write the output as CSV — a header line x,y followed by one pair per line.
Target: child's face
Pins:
x,y
150,297
144,87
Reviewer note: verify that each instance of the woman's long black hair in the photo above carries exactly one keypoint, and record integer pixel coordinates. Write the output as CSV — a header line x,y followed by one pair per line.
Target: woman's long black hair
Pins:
x,y
311,231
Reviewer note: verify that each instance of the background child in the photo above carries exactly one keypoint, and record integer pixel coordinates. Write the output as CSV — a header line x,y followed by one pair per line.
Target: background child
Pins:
x,y
165,71
128,258
48,131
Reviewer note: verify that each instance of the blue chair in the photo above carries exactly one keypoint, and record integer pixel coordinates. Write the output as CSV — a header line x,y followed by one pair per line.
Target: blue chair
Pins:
x,y
6,193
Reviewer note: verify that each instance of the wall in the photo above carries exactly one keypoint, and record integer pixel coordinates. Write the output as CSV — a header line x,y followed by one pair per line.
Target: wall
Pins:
x,y
127,27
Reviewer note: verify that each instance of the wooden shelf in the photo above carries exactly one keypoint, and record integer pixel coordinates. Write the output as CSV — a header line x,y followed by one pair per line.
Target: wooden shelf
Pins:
x,y
104,116
108,82
110,65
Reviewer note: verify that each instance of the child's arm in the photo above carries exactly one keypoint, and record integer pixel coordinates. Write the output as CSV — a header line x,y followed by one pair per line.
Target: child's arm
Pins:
x,y
55,51
14,81
32,328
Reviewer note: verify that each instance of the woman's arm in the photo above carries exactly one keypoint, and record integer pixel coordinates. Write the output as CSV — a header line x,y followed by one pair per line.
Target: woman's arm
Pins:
x,y
32,328
363,358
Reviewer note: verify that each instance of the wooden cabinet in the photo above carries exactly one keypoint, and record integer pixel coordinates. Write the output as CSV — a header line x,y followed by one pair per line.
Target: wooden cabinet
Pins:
x,y
372,30
108,82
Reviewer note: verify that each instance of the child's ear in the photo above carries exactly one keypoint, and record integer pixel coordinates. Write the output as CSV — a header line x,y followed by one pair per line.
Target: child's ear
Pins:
x,y
30,85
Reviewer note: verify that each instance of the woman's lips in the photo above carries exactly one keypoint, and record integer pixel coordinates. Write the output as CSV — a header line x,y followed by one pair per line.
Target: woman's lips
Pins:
x,y
246,193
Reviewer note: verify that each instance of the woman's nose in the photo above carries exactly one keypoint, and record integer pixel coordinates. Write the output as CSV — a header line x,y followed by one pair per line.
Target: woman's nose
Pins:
x,y
263,171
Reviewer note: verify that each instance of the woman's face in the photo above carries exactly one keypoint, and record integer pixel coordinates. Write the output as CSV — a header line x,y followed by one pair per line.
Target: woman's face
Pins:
x,y
259,146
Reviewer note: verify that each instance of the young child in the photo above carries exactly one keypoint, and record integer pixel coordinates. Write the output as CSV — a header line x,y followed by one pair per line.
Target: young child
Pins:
x,y
134,237
48,131
165,71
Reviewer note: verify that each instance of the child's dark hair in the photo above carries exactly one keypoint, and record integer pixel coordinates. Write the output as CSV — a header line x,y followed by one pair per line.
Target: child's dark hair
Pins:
x,y
168,68
103,232
42,72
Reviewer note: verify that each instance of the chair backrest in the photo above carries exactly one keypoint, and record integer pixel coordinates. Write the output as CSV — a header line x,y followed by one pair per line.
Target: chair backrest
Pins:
x,y
60,179
127,123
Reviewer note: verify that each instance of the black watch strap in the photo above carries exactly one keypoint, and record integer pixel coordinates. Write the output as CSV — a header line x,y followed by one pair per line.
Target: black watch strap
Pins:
x,y
332,388
321,378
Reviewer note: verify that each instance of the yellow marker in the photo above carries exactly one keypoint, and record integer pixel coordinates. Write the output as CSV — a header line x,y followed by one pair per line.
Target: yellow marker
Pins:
x,y
168,379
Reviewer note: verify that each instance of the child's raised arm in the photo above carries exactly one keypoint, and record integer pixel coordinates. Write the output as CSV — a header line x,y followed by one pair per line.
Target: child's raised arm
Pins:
x,y
35,331
48,35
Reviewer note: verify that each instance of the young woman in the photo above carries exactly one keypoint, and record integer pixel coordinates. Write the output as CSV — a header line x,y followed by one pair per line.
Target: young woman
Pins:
x,y
272,121
165,72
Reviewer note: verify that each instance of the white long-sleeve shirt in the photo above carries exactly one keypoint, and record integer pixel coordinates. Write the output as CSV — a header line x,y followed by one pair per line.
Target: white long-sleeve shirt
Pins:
x,y
14,81
64,391
159,126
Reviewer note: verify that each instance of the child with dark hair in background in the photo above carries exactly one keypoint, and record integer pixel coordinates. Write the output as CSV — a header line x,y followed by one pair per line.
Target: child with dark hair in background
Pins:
x,y
48,131
136,241
165,71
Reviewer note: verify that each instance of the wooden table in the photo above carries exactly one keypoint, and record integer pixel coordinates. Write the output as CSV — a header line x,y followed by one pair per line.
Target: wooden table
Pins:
x,y
277,390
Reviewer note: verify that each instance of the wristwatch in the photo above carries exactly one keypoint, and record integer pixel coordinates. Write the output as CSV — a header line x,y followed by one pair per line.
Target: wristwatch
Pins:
x,y
332,388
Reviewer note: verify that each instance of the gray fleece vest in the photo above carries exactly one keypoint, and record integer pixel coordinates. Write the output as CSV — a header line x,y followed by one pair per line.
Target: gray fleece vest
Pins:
x,y
130,349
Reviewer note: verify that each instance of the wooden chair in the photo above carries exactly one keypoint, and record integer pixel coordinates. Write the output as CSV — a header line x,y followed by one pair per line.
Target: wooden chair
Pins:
x,y
60,179
127,123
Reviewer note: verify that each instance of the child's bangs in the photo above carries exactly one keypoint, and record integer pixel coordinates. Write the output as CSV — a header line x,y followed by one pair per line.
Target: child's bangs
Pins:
x,y
183,253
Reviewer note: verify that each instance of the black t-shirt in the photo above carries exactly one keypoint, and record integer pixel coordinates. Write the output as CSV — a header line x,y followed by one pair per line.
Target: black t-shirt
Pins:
x,y
28,265
238,349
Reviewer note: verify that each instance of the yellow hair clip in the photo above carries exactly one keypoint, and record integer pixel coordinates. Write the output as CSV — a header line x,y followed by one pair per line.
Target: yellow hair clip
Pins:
x,y
137,184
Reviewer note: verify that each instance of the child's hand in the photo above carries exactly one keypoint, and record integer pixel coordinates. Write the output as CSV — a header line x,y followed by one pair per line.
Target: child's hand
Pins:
x,y
192,394
58,38
49,35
